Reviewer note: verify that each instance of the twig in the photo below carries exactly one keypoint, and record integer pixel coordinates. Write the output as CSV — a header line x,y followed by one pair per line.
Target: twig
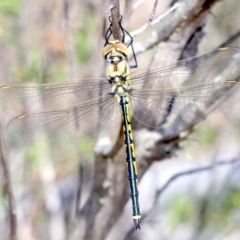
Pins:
x,y
71,49
230,39
151,23
10,195
153,12
189,172
185,12
111,6
196,170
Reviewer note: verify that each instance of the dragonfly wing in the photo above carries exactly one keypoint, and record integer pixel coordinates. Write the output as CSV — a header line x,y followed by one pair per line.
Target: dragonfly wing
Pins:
x,y
33,99
173,76
87,119
180,96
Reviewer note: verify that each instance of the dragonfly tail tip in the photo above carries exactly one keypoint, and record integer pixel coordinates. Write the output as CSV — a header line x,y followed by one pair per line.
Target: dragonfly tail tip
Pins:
x,y
137,223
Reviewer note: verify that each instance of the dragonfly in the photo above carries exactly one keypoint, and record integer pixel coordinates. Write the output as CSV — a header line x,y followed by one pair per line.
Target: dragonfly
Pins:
x,y
168,99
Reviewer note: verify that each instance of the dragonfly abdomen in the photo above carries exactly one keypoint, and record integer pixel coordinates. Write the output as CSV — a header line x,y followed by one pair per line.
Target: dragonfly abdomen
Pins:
x,y
131,161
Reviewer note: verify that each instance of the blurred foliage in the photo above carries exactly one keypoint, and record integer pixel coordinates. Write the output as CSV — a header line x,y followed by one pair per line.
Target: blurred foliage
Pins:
x,y
34,69
86,146
9,12
204,136
32,155
222,211
208,135
83,38
10,8
31,69
215,212
181,209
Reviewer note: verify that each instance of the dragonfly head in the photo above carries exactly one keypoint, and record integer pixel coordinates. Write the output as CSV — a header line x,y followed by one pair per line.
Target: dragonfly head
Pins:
x,y
115,51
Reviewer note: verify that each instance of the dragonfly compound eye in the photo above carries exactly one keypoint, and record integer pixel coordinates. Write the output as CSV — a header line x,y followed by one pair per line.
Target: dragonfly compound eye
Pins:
x,y
115,48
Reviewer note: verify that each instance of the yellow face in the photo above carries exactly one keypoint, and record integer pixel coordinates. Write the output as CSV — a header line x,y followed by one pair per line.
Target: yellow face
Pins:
x,y
115,47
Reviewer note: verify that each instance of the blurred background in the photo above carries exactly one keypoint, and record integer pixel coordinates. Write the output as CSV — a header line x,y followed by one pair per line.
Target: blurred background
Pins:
x,y
58,41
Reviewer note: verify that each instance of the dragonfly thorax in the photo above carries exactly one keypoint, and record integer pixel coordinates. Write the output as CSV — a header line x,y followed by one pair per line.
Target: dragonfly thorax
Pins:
x,y
116,55
119,86
117,69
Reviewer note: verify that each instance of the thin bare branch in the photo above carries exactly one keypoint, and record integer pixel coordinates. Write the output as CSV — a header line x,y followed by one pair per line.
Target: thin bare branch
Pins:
x,y
185,11
196,170
151,23
71,49
230,39
189,172
153,12
9,193
111,6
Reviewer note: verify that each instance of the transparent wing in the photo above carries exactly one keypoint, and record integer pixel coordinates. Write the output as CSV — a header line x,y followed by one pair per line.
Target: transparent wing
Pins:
x,y
179,95
51,96
97,117
173,96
